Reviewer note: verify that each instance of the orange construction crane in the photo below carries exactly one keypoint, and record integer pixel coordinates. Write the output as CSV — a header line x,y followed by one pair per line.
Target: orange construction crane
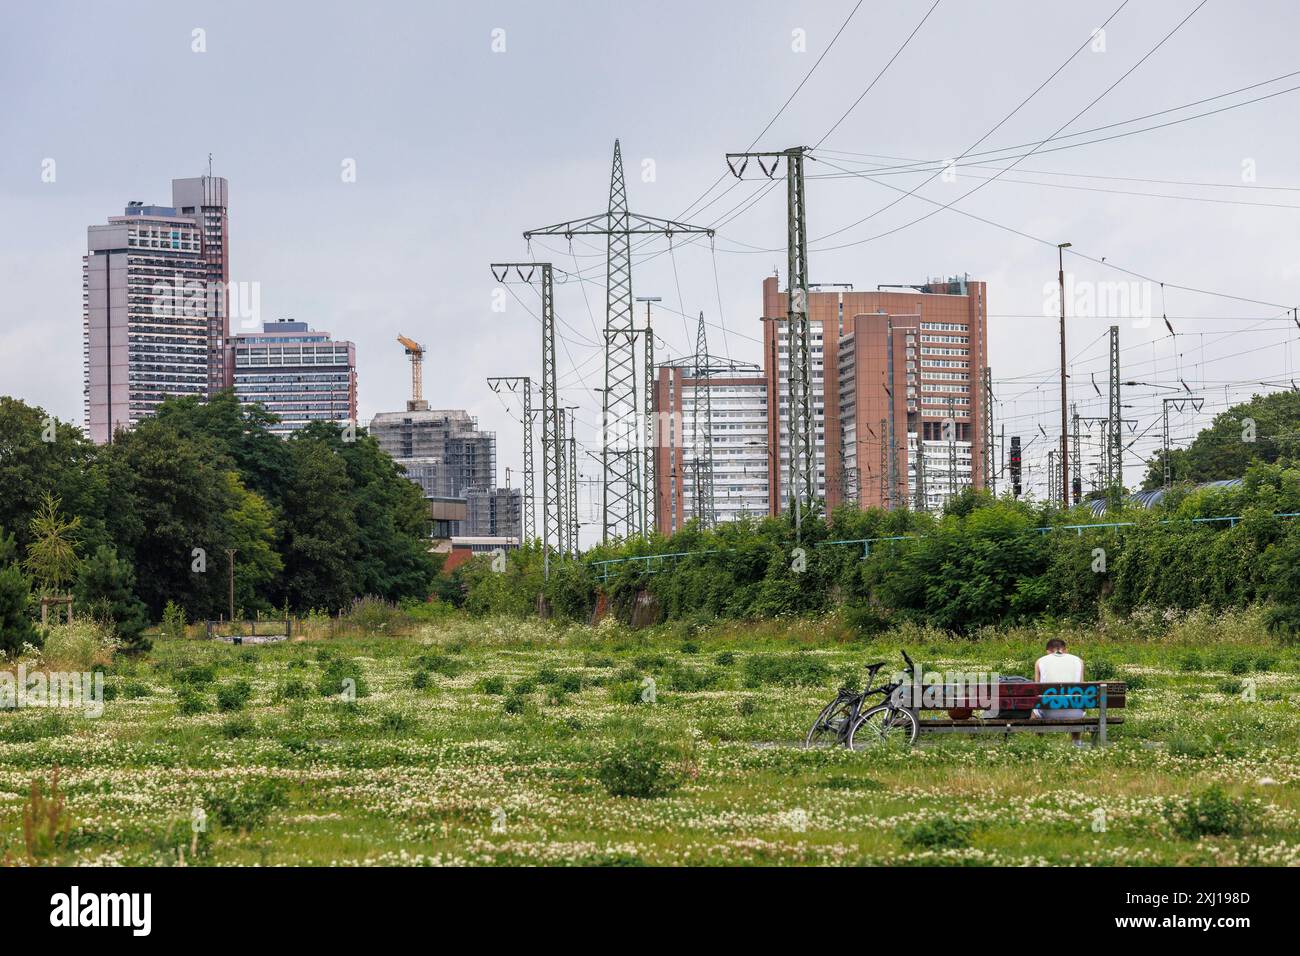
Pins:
x,y
416,351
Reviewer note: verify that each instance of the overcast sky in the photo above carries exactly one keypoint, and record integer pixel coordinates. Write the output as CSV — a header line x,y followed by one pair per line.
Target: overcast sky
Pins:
x,y
458,149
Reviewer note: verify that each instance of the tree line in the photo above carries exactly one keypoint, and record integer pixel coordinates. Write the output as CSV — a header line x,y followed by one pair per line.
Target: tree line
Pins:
x,y
985,561
315,520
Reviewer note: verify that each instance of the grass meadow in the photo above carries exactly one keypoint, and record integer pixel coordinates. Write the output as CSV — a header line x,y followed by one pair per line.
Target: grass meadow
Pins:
x,y
490,742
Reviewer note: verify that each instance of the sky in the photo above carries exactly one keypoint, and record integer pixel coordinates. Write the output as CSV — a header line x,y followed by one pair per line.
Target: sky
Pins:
x,y
468,123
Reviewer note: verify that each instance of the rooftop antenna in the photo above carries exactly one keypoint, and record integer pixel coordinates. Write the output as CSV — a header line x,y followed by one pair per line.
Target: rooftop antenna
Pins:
x,y
209,165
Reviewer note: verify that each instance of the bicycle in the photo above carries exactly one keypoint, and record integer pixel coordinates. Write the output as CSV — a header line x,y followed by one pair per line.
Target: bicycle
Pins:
x,y
845,721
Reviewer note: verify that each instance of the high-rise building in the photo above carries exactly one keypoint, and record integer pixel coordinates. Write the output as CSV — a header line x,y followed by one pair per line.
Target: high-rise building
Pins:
x,y
145,316
737,437
296,373
205,198
154,310
903,424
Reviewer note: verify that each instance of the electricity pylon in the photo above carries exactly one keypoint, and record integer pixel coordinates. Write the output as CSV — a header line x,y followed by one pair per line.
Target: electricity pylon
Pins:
x,y
648,503
572,472
703,421
950,426
803,453
1076,477
1114,423
619,452
514,383
986,432
552,491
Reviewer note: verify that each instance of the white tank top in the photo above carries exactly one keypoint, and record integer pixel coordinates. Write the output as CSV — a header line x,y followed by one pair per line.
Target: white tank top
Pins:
x,y
1060,668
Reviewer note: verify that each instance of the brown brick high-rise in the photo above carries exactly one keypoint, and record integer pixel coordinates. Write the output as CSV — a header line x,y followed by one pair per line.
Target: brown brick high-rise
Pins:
x,y
938,334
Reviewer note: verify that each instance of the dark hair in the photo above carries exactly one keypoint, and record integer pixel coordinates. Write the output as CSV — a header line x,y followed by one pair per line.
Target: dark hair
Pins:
x,y
1056,644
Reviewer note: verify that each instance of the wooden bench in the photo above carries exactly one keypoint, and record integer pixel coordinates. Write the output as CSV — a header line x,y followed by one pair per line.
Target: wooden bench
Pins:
x,y
1015,704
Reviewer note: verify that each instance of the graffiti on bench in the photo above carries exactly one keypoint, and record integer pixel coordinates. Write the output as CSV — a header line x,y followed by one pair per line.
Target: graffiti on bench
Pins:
x,y
1069,698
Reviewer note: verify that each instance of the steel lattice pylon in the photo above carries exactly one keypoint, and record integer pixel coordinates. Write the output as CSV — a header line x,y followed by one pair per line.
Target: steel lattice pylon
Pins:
x,y
1076,455
702,417
572,472
529,529
620,456
1114,440
553,496
951,426
648,523
986,431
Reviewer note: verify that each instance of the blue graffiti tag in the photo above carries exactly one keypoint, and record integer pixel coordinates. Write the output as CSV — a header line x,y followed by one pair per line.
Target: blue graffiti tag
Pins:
x,y
1074,698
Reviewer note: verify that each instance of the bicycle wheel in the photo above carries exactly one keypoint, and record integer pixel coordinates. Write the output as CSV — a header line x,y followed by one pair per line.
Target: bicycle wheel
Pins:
x,y
831,728
884,726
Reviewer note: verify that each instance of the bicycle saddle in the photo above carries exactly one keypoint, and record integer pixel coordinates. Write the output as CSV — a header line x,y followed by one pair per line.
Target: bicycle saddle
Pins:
x,y
875,666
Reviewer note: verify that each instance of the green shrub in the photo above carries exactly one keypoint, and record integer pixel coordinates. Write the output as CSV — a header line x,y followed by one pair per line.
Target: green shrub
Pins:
x,y
189,702
940,832
196,674
725,659
682,677
173,621
642,769
31,730
372,615
1101,670
340,675
1212,812
747,706
245,806
420,680
439,663
291,688
790,670
134,690
626,692
570,682
515,703
494,686
234,695
106,586
394,722
547,675
238,726
524,686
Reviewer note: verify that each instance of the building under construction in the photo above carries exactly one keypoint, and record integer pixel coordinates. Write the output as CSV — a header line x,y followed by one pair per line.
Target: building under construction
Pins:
x,y
444,452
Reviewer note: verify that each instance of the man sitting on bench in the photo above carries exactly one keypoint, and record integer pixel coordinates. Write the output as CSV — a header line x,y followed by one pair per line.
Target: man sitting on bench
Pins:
x,y
1059,667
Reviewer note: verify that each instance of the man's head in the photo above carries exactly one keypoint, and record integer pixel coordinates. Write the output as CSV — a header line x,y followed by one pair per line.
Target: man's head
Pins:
x,y
1056,646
